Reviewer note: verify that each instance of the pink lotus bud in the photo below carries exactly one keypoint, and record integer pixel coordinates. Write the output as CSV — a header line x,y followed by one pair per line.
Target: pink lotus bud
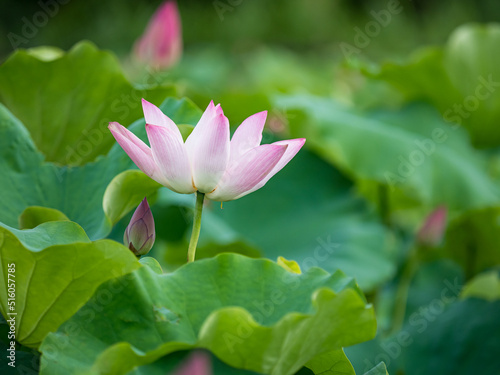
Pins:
x,y
140,233
160,46
432,232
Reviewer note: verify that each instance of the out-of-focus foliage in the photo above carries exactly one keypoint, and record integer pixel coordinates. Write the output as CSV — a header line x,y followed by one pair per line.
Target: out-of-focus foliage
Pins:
x,y
392,133
461,80
473,240
61,91
485,285
419,158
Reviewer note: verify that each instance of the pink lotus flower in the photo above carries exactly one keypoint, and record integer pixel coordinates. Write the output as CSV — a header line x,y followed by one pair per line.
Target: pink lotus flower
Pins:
x,y
432,231
208,162
161,44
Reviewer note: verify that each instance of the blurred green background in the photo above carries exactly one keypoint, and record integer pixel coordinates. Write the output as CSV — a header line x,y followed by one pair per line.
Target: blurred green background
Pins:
x,y
245,54
252,46
241,25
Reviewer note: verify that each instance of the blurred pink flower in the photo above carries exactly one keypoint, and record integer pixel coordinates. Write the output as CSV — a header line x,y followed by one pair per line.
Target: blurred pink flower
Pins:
x,y
161,44
208,162
139,235
432,232
197,363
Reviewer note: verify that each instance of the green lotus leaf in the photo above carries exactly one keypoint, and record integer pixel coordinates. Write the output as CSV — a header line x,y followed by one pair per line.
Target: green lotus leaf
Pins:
x,y
125,192
461,80
333,363
45,53
57,269
380,369
48,234
251,313
419,159
485,286
151,263
424,77
33,216
28,180
67,102
289,265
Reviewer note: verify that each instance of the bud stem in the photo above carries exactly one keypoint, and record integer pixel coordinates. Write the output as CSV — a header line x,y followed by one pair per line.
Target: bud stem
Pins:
x,y
196,226
401,299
